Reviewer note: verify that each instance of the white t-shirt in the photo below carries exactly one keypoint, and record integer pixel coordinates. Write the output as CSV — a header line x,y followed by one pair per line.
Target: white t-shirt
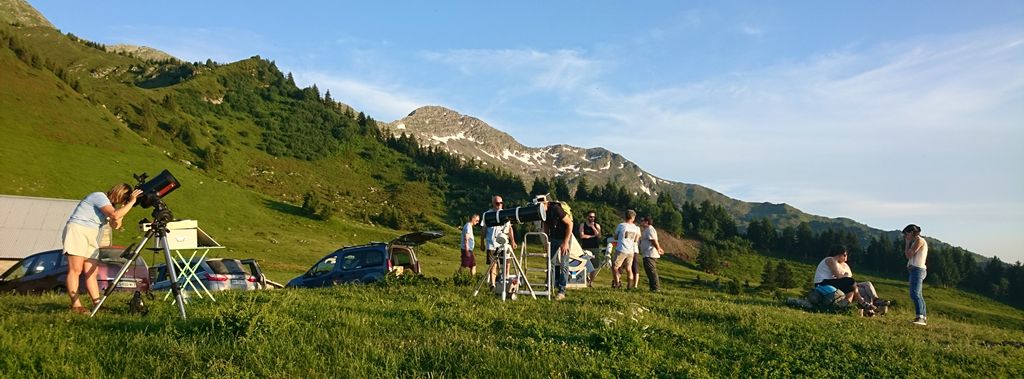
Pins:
x,y
489,236
920,255
467,237
823,272
626,235
647,247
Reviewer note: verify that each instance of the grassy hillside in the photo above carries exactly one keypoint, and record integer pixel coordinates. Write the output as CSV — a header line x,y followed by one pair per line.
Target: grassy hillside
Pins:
x,y
65,140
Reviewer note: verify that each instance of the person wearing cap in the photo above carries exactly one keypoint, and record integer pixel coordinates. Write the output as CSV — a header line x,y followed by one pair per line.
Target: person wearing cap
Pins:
x,y
558,226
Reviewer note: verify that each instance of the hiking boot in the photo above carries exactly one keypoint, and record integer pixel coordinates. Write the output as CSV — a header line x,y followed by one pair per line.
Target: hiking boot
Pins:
x,y
920,320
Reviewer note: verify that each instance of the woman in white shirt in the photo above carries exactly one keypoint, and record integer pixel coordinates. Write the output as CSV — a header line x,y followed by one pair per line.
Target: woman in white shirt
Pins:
x,y
835,271
915,248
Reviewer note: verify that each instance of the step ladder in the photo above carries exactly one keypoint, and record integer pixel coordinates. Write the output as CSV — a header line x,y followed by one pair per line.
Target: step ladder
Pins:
x,y
535,259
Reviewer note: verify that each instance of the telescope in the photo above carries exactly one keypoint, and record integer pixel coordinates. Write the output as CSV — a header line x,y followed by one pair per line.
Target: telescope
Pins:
x,y
155,189
518,215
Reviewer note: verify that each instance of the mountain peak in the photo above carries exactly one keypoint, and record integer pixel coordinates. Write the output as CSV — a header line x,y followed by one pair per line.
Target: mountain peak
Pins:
x,y
22,13
141,52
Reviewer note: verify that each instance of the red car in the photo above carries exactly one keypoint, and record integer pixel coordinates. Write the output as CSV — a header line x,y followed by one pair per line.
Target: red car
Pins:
x,y
47,271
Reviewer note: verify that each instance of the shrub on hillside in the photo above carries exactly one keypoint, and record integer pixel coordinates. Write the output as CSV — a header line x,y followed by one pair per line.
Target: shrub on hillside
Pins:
x,y
316,207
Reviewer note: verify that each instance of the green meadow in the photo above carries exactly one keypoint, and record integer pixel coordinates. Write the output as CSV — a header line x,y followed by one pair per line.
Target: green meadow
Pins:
x,y
433,327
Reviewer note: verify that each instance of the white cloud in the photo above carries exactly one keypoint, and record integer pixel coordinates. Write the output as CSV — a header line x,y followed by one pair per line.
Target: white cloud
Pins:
x,y
557,70
750,30
381,100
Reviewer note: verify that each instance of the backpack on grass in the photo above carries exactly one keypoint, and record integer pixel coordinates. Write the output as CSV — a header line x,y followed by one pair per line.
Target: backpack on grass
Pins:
x,y
827,297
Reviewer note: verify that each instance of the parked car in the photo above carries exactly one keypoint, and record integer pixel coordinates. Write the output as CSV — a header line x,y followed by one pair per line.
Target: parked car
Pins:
x,y
217,274
366,263
48,271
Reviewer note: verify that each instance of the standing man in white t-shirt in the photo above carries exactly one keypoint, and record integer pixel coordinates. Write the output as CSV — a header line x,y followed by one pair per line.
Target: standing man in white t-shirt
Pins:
x,y
651,250
468,243
627,234
491,245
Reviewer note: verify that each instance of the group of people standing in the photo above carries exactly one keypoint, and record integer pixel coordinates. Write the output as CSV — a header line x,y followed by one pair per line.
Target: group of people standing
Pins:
x,y
629,241
834,270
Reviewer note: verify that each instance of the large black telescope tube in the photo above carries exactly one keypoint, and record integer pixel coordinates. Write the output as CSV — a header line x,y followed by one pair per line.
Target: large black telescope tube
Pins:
x,y
156,188
518,215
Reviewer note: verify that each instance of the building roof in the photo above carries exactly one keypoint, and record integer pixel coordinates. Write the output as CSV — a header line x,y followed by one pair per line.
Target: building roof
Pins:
x,y
32,224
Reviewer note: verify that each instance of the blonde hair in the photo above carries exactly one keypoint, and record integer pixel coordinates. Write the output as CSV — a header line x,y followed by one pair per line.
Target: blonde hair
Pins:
x,y
118,194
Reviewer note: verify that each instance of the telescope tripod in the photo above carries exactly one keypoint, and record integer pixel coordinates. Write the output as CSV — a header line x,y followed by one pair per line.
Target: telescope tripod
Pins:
x,y
504,254
159,230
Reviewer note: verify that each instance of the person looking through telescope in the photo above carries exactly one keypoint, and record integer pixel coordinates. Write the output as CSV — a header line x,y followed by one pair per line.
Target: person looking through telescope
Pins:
x,y
558,226
83,233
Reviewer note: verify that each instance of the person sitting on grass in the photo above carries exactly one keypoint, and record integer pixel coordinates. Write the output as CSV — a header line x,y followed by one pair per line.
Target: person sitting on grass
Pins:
x,y
835,271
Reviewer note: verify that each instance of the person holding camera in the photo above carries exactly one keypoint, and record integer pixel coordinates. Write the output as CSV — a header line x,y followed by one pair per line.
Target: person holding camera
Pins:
x,y
558,226
915,248
83,233
491,244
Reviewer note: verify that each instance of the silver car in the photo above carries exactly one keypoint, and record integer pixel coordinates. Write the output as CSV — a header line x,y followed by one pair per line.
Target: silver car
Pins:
x,y
216,274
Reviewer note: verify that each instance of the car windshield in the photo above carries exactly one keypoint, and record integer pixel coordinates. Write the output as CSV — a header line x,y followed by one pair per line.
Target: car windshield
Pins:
x,y
18,271
227,267
112,255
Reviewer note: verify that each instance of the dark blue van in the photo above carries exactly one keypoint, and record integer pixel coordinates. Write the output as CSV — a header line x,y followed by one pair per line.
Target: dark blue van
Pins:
x,y
366,263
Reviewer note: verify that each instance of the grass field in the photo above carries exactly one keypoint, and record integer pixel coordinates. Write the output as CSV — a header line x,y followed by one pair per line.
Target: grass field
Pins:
x,y
434,328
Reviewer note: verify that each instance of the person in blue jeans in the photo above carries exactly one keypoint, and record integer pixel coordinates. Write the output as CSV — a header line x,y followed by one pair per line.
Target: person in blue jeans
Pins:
x,y
558,226
915,248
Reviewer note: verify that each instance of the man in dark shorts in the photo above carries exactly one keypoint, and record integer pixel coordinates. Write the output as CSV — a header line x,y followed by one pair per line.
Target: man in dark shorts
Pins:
x,y
468,243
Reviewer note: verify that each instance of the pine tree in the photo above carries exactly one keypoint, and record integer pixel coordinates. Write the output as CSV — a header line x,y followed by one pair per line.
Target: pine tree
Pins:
x,y
768,276
709,260
582,191
562,189
784,276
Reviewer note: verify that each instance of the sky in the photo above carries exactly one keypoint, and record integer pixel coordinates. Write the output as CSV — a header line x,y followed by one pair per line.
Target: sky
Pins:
x,y
887,113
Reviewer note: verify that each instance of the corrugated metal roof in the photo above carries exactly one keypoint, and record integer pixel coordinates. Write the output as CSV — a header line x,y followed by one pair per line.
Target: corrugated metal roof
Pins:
x,y
29,225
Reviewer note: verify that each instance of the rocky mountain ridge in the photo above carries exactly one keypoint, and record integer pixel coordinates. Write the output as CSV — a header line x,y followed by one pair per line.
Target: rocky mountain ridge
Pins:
x,y
20,12
141,52
474,139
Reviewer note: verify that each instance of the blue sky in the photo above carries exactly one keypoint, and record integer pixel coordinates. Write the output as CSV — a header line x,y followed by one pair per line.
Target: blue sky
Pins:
x,y
909,112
